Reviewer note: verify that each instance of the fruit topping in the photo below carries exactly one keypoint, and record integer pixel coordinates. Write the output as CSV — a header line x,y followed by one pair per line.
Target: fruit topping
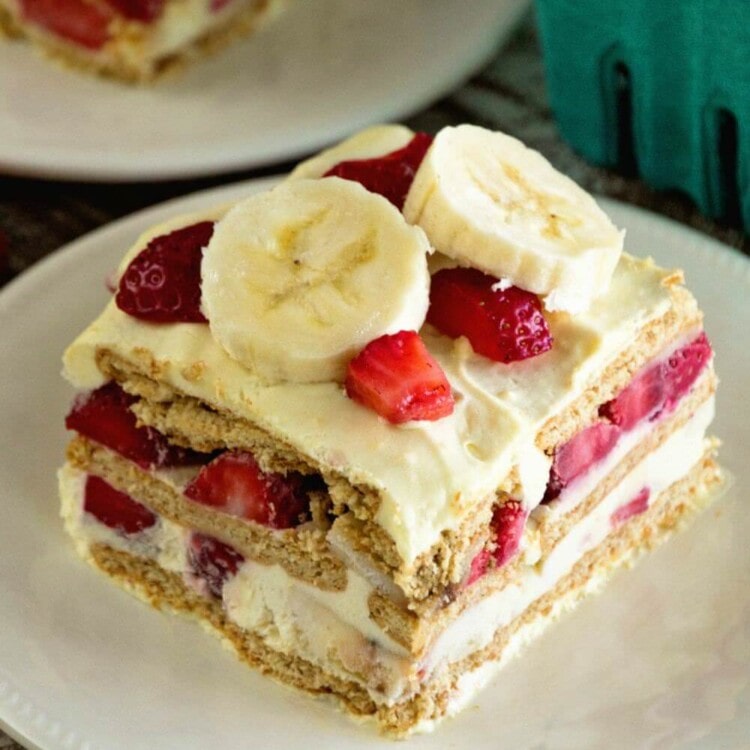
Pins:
x,y
397,377
659,387
104,416
138,10
390,175
213,561
574,458
217,5
300,278
503,324
77,21
506,530
162,284
639,504
234,483
114,508
489,202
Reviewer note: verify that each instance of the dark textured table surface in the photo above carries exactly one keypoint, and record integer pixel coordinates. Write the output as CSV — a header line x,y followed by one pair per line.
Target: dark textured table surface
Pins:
x,y
37,217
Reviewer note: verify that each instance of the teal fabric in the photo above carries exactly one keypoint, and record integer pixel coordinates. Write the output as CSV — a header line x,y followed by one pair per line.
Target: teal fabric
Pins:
x,y
688,67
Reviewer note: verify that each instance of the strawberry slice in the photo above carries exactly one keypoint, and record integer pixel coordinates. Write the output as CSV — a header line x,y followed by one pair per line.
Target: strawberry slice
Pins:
x,y
397,377
76,21
574,458
505,325
639,504
234,484
508,521
104,416
213,561
390,175
162,284
144,11
115,509
683,368
659,387
642,397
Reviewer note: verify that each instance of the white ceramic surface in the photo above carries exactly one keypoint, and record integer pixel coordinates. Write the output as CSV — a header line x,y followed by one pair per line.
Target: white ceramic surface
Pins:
x,y
324,69
660,660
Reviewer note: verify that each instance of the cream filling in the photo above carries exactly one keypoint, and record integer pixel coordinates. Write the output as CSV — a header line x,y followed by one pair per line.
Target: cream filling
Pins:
x,y
429,475
334,629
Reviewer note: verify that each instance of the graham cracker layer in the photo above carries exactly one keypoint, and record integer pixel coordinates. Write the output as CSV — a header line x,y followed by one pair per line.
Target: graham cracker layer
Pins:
x,y
203,426
670,511
303,551
122,57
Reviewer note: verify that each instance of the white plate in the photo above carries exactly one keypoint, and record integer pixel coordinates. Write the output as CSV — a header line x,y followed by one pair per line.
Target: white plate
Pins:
x,y
661,659
321,71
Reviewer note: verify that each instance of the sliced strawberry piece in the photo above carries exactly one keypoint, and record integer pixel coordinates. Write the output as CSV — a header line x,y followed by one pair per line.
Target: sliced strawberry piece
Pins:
x,y
398,378
114,508
659,387
505,325
144,11
479,566
639,504
574,458
390,175
104,416
217,5
643,397
213,561
163,282
508,522
234,483
76,21
683,368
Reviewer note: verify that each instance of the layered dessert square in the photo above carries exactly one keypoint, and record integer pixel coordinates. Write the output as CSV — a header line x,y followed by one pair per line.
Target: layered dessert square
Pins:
x,y
135,40
381,425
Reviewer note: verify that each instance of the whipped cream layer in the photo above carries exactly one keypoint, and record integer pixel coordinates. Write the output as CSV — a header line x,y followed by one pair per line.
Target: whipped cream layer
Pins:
x,y
334,629
429,475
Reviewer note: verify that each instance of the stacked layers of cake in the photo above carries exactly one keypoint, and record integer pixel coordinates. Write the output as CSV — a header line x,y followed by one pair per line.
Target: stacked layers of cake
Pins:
x,y
361,509
131,39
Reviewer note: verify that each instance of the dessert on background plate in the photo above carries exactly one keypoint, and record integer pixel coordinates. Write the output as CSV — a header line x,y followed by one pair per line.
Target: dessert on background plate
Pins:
x,y
381,425
135,40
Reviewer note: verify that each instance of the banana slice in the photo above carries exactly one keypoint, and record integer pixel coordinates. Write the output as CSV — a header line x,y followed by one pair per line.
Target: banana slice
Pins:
x,y
378,140
296,281
488,201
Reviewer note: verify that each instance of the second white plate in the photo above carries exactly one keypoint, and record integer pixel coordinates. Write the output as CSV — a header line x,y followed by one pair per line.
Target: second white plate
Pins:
x,y
324,69
660,660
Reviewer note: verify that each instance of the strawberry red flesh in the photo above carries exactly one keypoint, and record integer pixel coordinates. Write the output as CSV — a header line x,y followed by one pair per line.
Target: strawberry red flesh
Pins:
x,y
638,505
390,175
505,325
643,396
213,561
506,530
75,21
659,387
144,11
162,284
397,377
115,509
104,416
683,368
508,522
579,454
234,484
